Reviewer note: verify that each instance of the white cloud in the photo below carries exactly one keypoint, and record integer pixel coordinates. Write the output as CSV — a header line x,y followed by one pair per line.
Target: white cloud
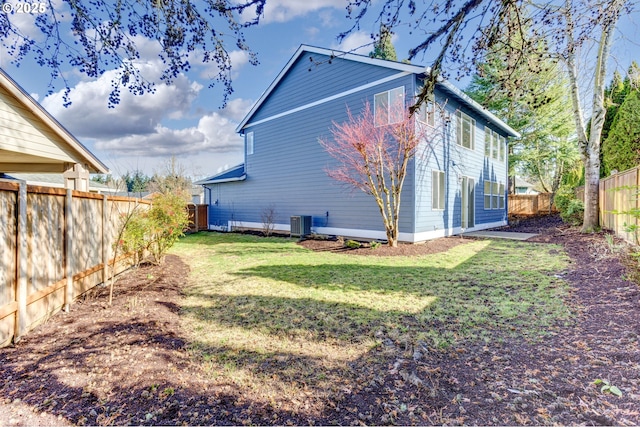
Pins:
x,y
89,115
214,133
356,42
286,10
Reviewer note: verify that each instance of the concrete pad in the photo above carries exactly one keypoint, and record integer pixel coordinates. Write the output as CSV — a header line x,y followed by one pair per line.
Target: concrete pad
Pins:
x,y
500,235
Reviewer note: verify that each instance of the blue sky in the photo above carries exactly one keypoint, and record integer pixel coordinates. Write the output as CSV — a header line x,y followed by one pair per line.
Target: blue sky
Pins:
x,y
185,119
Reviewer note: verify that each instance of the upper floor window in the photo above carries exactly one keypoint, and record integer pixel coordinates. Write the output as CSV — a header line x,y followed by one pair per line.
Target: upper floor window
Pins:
x,y
388,106
248,138
494,144
427,113
465,130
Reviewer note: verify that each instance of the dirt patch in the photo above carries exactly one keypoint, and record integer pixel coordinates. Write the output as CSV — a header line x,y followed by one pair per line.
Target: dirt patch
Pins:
x,y
129,363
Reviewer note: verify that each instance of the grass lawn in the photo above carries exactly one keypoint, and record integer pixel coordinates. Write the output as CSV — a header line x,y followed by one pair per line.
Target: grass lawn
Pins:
x,y
275,319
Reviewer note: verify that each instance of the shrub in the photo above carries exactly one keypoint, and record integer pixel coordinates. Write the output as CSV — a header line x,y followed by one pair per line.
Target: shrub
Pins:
x,y
268,217
156,229
168,219
571,209
352,244
134,236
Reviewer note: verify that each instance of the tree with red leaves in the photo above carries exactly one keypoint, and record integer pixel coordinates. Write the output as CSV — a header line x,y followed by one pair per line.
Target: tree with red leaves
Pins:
x,y
373,157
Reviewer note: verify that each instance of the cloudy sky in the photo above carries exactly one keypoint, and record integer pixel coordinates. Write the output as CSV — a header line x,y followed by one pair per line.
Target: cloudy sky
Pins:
x,y
185,119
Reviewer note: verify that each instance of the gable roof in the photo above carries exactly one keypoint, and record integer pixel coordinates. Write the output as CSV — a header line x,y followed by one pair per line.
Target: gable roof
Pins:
x,y
236,173
55,180
394,65
60,147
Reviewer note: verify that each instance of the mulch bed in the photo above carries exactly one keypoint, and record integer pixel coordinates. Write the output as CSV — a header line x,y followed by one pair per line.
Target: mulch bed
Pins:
x,y
128,363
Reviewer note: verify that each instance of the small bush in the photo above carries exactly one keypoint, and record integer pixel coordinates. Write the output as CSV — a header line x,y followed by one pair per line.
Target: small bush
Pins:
x,y
352,244
375,244
168,219
156,229
571,209
268,217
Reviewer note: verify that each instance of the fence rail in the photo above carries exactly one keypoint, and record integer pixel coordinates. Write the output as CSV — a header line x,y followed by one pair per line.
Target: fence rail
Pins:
x,y
55,244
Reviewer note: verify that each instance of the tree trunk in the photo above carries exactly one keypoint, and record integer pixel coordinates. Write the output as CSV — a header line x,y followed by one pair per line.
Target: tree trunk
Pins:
x,y
590,147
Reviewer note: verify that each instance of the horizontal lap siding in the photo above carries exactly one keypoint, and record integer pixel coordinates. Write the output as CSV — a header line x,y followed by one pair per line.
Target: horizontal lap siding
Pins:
x,y
307,82
287,172
444,154
21,131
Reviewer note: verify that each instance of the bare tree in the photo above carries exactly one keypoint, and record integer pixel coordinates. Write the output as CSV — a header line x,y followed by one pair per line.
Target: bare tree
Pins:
x,y
372,156
268,217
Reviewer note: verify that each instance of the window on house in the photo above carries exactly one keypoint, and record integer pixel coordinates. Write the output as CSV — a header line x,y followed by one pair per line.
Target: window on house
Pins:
x,y
494,145
388,107
465,130
427,113
249,142
488,141
437,190
493,195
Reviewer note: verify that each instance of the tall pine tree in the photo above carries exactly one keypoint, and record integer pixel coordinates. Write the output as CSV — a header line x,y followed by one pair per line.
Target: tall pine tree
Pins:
x,y
616,94
383,47
622,148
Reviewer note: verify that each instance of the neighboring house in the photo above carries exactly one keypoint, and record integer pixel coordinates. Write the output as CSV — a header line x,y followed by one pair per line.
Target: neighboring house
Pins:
x,y
32,141
197,194
523,187
456,182
56,181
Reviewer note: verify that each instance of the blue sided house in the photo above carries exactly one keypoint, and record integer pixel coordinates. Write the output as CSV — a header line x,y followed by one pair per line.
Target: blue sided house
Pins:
x,y
456,182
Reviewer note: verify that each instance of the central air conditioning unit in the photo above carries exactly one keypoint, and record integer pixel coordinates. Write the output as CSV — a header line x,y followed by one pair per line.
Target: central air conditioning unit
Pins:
x,y
300,225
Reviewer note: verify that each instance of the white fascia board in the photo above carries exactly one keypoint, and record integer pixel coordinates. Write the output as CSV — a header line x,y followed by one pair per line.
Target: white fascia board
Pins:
x,y
400,66
219,181
32,105
483,111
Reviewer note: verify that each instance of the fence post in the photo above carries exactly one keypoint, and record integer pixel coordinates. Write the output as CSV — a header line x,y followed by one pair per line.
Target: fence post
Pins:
x,y
105,239
68,248
21,264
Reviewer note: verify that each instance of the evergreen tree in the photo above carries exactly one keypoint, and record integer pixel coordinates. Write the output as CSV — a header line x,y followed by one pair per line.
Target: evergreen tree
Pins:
x,y
534,100
622,148
136,182
615,95
383,48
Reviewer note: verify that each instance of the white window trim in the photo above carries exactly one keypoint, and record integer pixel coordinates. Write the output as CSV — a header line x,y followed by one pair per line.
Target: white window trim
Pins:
x,y
494,150
389,105
441,176
428,109
500,205
249,141
460,116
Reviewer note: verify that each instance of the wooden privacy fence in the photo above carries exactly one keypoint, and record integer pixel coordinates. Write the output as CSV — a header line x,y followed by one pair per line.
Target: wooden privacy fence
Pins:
x,y
619,193
198,217
55,244
530,204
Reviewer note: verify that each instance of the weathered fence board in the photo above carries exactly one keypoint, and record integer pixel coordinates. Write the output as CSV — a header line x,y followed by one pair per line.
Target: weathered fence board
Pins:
x,y
54,245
